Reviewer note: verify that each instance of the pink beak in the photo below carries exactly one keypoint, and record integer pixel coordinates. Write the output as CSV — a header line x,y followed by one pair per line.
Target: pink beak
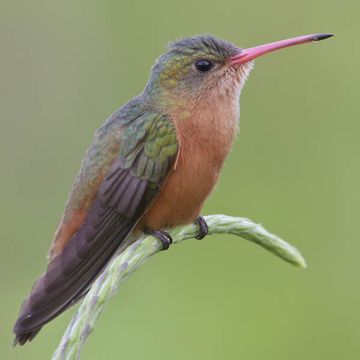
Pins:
x,y
252,53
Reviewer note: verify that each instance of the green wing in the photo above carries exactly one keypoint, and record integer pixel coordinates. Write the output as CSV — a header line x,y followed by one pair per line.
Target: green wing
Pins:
x,y
147,152
149,147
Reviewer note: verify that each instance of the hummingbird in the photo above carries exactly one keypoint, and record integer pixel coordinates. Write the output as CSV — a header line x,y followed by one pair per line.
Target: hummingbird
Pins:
x,y
150,167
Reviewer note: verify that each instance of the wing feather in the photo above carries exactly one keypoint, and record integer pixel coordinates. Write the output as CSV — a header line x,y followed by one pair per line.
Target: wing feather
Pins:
x,y
128,188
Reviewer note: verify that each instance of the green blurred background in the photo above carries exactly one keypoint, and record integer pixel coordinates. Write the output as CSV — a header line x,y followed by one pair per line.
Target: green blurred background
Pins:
x,y
65,66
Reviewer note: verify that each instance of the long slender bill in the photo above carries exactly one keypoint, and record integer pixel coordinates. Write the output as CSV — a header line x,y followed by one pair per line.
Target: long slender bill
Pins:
x,y
254,52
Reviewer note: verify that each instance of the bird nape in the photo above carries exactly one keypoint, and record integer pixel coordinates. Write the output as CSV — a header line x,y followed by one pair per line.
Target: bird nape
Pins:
x,y
150,167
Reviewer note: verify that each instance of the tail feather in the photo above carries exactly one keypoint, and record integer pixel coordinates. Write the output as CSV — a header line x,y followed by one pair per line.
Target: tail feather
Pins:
x,y
21,339
70,274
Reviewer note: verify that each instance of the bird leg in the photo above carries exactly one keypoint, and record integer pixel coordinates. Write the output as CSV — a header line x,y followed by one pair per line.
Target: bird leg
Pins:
x,y
204,229
163,236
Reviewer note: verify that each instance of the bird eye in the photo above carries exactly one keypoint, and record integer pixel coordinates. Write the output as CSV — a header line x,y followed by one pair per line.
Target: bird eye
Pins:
x,y
203,65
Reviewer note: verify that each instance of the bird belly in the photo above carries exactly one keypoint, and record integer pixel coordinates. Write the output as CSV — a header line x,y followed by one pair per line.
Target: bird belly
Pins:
x,y
181,198
205,139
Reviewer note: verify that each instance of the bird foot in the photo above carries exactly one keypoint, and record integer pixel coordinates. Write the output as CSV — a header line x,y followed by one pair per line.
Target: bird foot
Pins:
x,y
164,237
203,226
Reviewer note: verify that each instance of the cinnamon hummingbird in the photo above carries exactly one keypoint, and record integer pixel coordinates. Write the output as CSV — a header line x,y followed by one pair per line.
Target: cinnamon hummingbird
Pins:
x,y
150,167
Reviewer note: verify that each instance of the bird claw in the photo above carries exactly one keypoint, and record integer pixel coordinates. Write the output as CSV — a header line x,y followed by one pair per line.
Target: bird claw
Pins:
x,y
203,226
164,237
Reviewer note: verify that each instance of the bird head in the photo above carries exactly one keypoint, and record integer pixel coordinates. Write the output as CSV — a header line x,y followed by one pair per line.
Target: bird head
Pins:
x,y
206,66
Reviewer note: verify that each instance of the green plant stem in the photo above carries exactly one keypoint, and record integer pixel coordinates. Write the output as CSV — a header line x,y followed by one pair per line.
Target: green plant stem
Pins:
x,y
123,265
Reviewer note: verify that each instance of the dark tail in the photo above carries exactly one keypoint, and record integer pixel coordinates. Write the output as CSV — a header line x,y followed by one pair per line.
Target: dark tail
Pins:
x,y
70,274
21,339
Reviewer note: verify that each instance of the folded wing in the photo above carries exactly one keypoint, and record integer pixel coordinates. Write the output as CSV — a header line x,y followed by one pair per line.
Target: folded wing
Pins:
x,y
148,149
